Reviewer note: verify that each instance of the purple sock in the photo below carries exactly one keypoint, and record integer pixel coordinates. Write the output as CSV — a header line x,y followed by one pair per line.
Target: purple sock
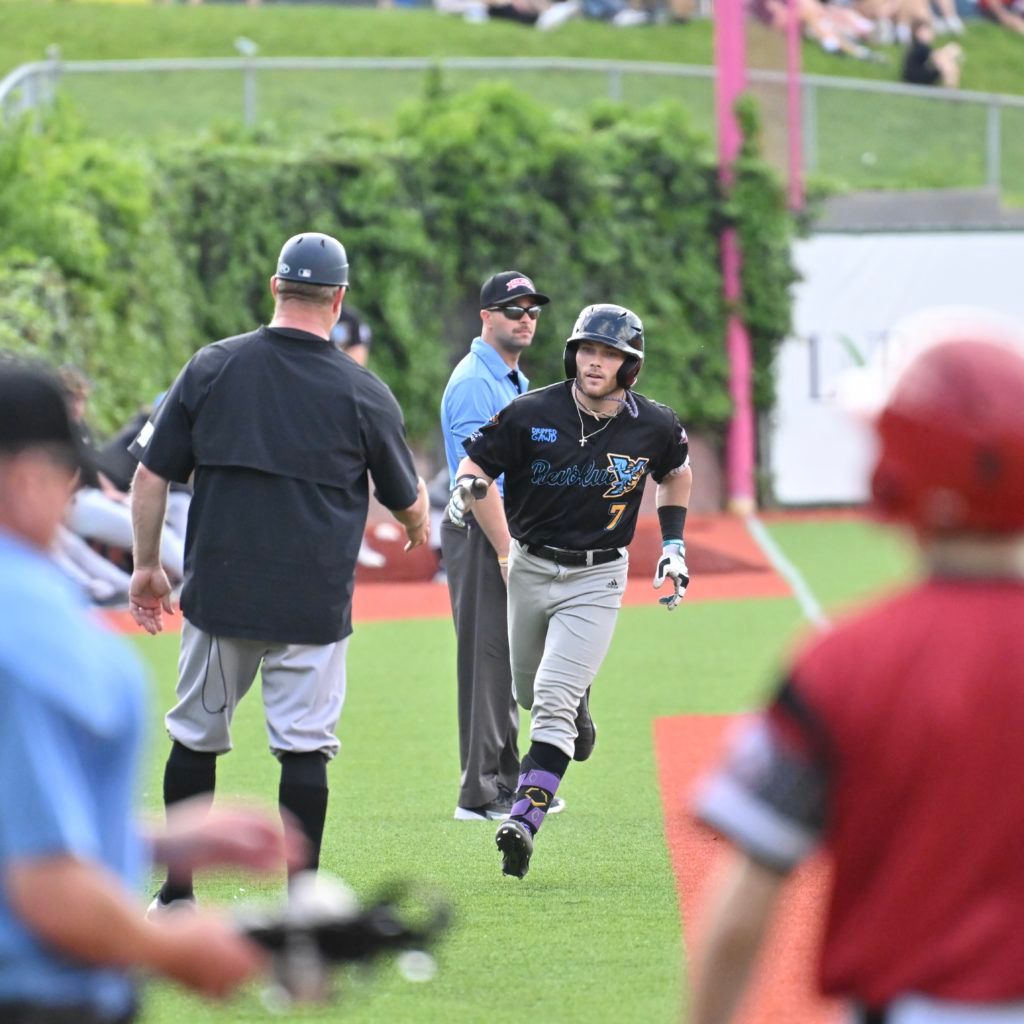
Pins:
x,y
534,794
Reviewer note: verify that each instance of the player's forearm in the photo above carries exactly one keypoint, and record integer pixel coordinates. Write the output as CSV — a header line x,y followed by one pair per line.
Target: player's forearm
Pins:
x,y
418,512
489,512
738,920
149,506
76,907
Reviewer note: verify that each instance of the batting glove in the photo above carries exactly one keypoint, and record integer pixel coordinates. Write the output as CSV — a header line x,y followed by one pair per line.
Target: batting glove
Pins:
x,y
672,566
467,491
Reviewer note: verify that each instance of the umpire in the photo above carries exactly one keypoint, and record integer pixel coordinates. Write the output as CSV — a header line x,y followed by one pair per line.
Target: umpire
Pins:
x,y
482,384
280,430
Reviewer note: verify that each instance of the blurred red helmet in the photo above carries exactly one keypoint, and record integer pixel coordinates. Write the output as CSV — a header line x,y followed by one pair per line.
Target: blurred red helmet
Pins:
x,y
951,439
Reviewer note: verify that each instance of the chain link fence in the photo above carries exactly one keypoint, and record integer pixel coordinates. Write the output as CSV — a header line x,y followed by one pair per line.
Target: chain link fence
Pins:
x,y
856,133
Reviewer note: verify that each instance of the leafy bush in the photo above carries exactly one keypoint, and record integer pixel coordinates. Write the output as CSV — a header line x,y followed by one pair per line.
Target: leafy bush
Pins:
x,y
127,261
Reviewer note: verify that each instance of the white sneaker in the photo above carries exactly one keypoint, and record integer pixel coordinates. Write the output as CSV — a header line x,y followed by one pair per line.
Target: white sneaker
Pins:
x,y
558,14
627,18
158,908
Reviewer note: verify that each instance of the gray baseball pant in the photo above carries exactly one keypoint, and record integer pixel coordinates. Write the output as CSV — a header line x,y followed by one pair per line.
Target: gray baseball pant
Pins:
x,y
560,625
303,691
488,716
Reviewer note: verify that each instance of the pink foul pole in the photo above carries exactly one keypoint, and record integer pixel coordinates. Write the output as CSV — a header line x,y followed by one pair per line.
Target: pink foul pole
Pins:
x,y
794,130
731,62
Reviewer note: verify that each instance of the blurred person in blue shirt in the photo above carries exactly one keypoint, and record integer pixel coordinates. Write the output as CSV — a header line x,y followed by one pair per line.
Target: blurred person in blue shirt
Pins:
x,y
72,710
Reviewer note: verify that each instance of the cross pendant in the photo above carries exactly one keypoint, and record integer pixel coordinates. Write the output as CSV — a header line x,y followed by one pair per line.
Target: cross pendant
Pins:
x,y
583,441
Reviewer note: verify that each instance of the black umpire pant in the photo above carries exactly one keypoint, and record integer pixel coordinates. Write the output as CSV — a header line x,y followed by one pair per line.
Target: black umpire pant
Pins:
x,y
488,715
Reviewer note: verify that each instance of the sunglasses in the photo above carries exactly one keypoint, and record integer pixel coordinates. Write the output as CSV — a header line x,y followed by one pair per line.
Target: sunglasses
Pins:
x,y
516,312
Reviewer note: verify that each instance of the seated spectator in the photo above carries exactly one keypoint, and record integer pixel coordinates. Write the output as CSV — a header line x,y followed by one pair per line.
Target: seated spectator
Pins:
x,y
946,20
97,577
616,12
836,29
99,511
526,12
925,65
1009,14
118,465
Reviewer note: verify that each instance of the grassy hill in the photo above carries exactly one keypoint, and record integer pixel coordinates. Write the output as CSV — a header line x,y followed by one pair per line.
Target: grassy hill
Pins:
x,y
863,140
995,58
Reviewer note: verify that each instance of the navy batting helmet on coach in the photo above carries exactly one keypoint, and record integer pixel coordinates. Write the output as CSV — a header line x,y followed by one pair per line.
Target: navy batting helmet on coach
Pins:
x,y
313,258
614,326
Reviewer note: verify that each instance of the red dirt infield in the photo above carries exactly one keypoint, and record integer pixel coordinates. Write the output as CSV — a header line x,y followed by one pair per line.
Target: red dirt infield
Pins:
x,y
783,990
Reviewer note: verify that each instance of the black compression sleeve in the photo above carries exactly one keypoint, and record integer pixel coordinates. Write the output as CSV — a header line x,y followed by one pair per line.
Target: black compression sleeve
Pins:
x,y
672,519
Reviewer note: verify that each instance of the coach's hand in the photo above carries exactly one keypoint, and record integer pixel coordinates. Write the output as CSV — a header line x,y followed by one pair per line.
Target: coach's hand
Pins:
x,y
467,492
149,596
672,566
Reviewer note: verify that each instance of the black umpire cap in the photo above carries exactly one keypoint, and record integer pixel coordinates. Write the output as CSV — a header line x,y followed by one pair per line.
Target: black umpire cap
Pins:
x,y
313,258
34,413
509,285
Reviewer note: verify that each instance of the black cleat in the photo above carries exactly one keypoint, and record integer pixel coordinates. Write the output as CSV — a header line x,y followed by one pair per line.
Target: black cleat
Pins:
x,y
515,841
586,731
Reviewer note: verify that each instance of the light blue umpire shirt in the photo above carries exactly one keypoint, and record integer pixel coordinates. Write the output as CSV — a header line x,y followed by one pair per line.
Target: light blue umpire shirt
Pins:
x,y
479,388
72,712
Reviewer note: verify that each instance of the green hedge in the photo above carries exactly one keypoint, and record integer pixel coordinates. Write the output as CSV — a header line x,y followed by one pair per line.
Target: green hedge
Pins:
x,y
126,261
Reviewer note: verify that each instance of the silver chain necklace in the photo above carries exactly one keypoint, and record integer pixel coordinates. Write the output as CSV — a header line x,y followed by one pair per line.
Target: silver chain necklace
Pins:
x,y
585,437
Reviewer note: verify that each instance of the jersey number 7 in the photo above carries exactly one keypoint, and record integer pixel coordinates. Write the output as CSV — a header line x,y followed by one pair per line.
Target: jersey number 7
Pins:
x,y
615,511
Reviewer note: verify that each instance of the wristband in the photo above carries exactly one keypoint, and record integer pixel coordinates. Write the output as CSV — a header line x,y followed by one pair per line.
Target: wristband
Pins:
x,y
502,560
672,519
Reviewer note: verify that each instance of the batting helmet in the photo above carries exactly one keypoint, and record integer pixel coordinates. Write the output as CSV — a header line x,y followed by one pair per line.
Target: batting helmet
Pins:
x,y
951,439
614,326
313,258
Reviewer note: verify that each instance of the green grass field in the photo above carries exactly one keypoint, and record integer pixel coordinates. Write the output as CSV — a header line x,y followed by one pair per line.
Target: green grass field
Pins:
x,y
592,934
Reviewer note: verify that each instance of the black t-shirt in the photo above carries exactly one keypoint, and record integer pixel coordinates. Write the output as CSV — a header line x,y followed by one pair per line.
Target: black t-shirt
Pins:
x,y
918,66
574,496
281,429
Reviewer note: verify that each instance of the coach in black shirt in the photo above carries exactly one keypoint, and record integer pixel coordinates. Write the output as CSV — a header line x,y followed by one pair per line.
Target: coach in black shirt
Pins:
x,y
280,430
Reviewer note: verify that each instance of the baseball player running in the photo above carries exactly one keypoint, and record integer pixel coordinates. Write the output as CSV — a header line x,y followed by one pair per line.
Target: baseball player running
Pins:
x,y
576,456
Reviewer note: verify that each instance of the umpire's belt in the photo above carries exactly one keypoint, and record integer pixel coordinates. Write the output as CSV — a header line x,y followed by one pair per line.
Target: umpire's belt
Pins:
x,y
562,557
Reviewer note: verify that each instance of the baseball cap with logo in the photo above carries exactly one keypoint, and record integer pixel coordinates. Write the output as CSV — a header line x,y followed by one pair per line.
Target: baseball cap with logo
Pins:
x,y
506,287
34,413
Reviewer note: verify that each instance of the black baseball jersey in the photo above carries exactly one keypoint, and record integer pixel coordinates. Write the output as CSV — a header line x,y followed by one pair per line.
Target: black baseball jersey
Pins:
x,y
571,495
280,429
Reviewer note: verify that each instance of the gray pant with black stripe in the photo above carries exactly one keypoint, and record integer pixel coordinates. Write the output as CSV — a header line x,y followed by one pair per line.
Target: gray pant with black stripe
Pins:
x,y
488,716
560,625
303,692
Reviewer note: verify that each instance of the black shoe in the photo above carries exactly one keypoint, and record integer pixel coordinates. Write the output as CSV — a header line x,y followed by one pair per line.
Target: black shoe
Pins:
x,y
515,841
158,908
586,731
497,810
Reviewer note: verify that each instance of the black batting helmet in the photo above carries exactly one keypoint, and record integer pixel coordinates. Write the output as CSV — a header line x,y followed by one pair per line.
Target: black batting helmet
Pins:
x,y
313,258
614,326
